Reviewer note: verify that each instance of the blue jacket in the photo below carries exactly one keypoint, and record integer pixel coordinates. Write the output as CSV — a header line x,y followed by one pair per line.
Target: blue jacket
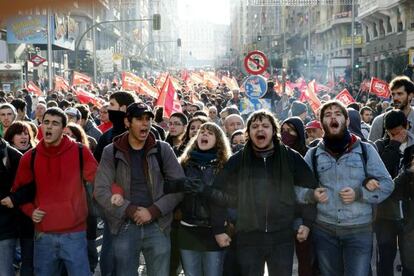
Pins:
x,y
348,171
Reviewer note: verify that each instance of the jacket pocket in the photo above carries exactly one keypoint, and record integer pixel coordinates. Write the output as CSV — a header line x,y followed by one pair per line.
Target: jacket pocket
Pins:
x,y
60,216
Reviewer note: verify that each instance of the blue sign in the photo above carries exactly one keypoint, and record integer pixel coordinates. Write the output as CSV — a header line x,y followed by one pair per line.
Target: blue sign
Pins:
x,y
255,86
248,106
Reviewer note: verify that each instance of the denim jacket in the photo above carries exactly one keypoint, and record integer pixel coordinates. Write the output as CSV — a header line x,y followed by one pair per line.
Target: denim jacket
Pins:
x,y
348,171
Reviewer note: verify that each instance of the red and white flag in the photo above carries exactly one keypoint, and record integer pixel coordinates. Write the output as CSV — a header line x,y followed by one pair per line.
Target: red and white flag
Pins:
x,y
130,82
31,87
345,97
365,84
85,97
167,99
61,84
80,79
379,88
311,97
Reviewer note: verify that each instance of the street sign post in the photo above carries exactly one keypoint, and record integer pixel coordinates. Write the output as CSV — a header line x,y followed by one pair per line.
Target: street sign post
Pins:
x,y
255,87
256,62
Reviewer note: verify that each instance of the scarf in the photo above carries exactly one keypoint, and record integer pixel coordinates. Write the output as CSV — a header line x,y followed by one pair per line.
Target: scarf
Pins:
x,y
203,157
281,177
338,145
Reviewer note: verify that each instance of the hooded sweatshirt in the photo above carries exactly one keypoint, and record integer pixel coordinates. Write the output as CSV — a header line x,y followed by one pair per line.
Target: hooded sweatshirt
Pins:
x,y
300,145
59,189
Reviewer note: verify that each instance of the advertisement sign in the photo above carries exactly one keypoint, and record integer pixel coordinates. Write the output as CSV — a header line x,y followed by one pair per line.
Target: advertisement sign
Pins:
x,y
32,29
255,87
248,106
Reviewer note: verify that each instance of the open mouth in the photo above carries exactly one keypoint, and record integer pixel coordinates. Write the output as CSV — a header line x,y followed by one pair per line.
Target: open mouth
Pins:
x,y
48,134
260,137
334,125
204,141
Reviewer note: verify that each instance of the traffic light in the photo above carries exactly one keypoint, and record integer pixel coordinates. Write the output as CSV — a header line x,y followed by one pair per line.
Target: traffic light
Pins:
x,y
179,42
156,22
259,38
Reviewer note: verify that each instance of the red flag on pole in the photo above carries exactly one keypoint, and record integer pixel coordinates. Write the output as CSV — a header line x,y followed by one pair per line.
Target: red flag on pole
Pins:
x,y
80,79
379,88
345,97
310,93
166,98
85,97
31,87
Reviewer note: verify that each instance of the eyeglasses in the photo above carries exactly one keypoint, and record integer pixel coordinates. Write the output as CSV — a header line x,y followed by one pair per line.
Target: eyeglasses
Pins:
x,y
174,124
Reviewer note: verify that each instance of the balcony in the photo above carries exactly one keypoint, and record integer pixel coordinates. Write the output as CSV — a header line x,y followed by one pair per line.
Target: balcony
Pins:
x,y
368,7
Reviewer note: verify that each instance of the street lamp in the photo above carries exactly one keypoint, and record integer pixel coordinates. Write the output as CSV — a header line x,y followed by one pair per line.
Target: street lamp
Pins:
x,y
156,22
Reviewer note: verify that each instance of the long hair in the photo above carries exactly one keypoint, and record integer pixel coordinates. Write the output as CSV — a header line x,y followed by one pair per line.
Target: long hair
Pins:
x,y
79,133
186,138
18,127
222,145
261,115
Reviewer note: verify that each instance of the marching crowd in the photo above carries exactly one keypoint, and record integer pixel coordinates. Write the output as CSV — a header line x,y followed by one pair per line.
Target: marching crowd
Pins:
x,y
209,190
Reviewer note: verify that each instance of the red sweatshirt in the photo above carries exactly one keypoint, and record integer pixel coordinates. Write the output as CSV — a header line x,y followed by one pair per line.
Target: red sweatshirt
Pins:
x,y
59,191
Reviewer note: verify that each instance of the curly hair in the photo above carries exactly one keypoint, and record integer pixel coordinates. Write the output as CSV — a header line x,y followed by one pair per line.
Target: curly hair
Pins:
x,y
222,145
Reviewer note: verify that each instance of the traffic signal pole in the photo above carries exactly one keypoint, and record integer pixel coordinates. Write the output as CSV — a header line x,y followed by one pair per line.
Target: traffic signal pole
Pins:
x,y
156,26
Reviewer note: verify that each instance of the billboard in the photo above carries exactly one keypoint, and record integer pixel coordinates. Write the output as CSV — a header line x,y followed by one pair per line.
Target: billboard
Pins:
x,y
32,29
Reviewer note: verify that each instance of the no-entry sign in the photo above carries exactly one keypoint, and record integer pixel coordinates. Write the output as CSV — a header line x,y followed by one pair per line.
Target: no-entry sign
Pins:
x,y
256,63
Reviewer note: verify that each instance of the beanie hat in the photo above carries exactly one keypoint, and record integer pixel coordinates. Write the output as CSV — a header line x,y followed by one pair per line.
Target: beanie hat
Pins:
x,y
298,108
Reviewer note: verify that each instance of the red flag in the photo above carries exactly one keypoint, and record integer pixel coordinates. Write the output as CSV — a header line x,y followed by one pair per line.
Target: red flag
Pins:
x,y
379,88
85,97
80,79
61,84
130,81
345,97
31,87
310,93
167,99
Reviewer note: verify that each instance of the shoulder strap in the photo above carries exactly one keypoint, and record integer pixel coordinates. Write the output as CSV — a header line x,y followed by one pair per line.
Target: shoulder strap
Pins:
x,y
32,162
80,148
364,157
314,159
159,158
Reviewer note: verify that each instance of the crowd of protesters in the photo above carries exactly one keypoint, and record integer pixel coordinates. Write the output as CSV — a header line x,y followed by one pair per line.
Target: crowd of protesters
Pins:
x,y
209,190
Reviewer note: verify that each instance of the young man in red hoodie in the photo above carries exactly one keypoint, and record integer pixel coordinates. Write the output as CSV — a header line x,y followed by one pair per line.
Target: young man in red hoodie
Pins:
x,y
59,209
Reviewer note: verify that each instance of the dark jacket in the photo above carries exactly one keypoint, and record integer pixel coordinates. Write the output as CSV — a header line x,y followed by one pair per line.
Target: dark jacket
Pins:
x,y
273,204
196,207
92,130
395,162
163,204
9,161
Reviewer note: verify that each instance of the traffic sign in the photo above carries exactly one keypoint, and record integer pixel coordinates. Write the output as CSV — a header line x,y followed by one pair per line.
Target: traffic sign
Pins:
x,y
256,62
255,86
37,60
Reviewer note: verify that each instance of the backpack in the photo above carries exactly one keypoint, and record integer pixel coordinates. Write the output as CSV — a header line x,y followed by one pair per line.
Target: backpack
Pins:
x,y
315,160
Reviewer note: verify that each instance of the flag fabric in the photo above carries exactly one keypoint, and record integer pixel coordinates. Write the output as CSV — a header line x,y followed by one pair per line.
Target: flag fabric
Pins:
x,y
31,87
310,93
61,84
130,82
196,78
231,83
345,97
379,88
80,79
167,98
85,97
147,89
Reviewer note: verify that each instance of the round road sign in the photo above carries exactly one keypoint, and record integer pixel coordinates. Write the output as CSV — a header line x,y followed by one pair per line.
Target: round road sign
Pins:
x,y
256,63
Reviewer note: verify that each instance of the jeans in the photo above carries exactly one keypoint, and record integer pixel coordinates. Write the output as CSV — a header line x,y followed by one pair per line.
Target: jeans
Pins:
x,y
154,244
106,261
279,259
202,263
347,255
7,248
52,249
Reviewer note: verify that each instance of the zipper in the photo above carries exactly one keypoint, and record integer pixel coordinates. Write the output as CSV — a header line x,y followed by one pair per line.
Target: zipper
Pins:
x,y
267,198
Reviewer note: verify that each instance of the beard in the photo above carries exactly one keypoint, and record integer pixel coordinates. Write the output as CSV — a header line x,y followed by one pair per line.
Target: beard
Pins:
x,y
337,136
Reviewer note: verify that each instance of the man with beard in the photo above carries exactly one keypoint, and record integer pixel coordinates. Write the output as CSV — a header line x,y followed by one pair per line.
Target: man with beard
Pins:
x,y
402,92
265,175
351,177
